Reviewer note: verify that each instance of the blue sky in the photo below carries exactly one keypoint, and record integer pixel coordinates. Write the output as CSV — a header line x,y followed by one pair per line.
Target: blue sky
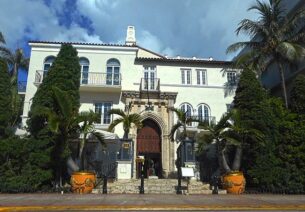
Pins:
x,y
200,28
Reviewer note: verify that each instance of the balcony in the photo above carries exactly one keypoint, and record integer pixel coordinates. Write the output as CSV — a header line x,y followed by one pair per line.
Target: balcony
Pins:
x,y
150,88
91,81
150,84
208,120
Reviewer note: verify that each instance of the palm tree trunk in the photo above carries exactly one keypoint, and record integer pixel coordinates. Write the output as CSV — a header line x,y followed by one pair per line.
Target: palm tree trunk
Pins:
x,y
81,152
223,160
281,70
125,137
237,158
15,70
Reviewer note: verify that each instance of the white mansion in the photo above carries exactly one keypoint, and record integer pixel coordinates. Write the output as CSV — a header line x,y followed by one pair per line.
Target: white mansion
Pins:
x,y
133,78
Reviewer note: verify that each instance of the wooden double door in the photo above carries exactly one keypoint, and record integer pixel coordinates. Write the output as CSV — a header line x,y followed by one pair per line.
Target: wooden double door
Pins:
x,y
149,147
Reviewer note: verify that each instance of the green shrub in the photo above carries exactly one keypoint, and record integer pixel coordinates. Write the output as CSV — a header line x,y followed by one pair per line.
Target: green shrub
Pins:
x,y
25,165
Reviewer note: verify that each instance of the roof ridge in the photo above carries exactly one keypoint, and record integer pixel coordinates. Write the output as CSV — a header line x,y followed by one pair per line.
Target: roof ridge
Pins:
x,y
81,43
140,47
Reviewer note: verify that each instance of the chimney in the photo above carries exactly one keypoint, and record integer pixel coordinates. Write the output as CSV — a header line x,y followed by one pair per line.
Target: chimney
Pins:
x,y
131,36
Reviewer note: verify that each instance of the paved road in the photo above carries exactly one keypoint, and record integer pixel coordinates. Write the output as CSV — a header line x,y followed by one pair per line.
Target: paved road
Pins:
x,y
131,202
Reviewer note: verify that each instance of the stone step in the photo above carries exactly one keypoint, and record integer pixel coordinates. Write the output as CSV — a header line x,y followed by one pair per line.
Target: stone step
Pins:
x,y
155,186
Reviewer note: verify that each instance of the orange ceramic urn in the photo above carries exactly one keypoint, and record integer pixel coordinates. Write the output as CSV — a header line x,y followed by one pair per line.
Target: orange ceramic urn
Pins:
x,y
234,183
83,182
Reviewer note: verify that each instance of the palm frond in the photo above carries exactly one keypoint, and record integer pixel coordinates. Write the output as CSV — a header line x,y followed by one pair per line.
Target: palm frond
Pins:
x,y
180,113
54,122
63,101
5,52
203,142
114,123
173,130
100,137
135,119
2,40
291,51
223,122
293,22
117,112
251,28
88,116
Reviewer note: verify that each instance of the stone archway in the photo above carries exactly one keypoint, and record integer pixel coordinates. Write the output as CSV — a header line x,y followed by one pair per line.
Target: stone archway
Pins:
x,y
149,146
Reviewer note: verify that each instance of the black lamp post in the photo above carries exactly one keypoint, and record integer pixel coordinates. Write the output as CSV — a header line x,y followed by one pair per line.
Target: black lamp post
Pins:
x,y
179,165
105,185
142,176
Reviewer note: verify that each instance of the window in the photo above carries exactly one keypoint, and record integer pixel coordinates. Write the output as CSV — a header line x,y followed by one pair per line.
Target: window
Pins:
x,y
187,108
149,77
186,77
102,109
203,113
201,77
113,72
189,152
84,64
47,64
231,77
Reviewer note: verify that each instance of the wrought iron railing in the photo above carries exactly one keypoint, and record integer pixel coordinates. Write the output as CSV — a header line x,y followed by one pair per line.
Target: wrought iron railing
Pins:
x,y
108,170
150,84
202,120
89,78
95,78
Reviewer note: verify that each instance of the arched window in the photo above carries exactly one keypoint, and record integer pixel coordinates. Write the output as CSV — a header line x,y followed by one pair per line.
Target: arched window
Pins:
x,y
187,108
47,64
84,64
203,112
113,72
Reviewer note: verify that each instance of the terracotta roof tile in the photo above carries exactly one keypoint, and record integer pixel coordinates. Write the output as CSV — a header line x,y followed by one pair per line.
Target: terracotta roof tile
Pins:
x,y
184,60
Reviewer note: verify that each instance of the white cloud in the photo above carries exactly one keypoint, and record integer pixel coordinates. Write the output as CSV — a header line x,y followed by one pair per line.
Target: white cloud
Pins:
x,y
35,20
188,28
152,42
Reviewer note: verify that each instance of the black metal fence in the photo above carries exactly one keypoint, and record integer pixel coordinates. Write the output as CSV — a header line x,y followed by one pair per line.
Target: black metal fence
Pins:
x,y
100,159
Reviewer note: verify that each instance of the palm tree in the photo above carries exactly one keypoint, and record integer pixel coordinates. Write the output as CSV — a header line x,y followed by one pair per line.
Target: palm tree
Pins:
x,y
183,121
87,120
64,123
216,134
17,61
3,49
229,131
275,39
238,133
126,119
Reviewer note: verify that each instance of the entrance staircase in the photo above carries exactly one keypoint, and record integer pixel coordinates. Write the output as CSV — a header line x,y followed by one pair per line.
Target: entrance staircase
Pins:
x,y
155,186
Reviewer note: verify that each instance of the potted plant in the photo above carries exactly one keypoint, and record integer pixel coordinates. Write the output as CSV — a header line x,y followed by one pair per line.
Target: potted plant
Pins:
x,y
84,181
65,123
229,131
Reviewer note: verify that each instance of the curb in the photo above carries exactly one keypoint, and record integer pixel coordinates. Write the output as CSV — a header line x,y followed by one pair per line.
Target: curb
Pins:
x,y
152,207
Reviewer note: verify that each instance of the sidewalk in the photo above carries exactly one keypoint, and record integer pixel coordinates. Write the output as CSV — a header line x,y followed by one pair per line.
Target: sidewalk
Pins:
x,y
124,202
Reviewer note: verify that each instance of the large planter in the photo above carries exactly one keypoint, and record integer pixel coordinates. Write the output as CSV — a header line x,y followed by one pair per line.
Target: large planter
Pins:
x,y
234,183
82,182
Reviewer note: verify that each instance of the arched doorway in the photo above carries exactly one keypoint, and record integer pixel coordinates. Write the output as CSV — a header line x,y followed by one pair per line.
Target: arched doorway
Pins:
x,y
149,146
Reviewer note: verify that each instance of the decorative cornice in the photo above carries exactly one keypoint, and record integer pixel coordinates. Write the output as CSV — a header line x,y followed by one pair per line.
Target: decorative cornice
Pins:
x,y
162,95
